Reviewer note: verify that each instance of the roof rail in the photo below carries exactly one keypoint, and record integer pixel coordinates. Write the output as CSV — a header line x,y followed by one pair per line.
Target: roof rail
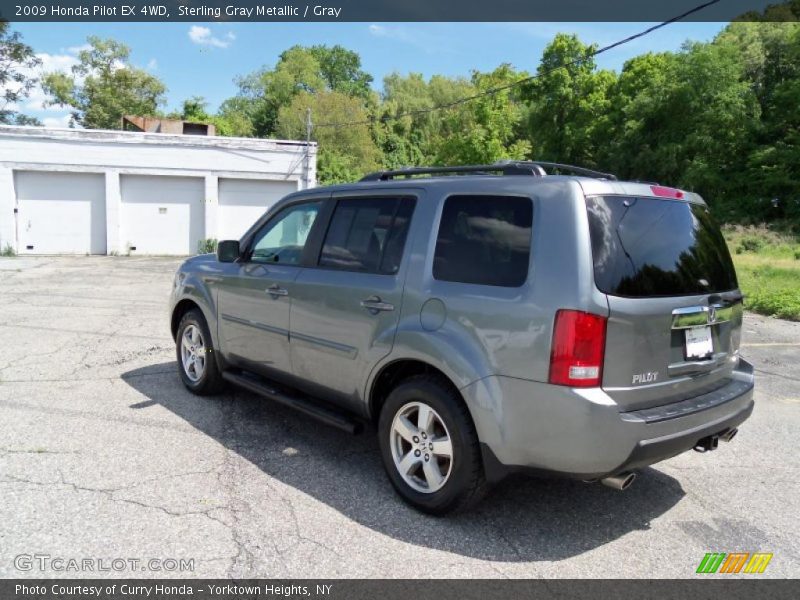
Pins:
x,y
577,170
509,167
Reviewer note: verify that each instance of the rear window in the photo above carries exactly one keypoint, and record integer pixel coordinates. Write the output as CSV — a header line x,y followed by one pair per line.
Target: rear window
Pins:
x,y
654,247
484,240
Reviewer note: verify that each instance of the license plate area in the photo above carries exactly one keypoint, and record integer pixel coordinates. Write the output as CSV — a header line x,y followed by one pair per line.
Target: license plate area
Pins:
x,y
699,343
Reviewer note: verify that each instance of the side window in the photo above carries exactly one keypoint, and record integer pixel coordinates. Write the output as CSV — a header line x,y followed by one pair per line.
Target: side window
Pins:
x,y
484,240
282,239
367,234
396,240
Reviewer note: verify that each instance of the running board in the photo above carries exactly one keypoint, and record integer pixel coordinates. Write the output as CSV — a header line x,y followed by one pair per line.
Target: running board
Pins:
x,y
303,404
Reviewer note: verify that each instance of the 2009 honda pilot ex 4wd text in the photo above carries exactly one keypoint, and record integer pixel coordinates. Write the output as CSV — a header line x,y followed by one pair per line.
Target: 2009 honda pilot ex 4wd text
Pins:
x,y
516,316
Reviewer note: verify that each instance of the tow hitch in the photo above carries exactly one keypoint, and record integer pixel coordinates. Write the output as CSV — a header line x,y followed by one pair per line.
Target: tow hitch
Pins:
x,y
712,441
707,444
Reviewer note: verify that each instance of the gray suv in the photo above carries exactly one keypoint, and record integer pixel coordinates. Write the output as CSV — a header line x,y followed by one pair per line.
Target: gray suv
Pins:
x,y
509,317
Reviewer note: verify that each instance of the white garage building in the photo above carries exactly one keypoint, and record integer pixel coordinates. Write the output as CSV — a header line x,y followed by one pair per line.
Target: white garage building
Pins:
x,y
75,191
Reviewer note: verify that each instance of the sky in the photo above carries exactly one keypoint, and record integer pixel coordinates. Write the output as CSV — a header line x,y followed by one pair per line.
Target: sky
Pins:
x,y
202,59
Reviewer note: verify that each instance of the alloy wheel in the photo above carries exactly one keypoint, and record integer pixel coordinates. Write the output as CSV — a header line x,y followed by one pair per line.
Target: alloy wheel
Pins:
x,y
193,353
421,447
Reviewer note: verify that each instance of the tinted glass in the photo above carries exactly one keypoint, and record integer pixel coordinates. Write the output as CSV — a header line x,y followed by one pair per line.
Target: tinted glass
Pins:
x,y
484,240
395,243
367,234
283,237
655,247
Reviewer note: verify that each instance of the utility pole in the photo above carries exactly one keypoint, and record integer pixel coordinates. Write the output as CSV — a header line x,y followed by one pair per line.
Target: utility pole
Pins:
x,y
309,125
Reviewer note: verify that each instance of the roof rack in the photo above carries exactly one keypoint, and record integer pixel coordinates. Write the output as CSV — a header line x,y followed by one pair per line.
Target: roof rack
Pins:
x,y
577,170
531,168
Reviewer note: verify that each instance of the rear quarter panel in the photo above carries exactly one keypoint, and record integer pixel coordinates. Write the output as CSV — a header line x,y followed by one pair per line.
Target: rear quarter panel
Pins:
x,y
480,331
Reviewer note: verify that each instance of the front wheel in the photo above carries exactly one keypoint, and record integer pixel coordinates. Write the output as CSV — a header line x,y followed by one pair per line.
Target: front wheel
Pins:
x,y
429,446
197,362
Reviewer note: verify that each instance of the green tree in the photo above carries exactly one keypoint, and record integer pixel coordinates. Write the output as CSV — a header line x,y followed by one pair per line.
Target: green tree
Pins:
x,y
769,57
345,153
236,114
194,109
104,86
774,163
17,61
341,70
405,129
637,116
299,69
686,119
568,103
21,119
226,123
484,130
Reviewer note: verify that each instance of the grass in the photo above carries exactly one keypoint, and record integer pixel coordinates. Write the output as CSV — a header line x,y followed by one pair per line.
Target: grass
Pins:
x,y
768,267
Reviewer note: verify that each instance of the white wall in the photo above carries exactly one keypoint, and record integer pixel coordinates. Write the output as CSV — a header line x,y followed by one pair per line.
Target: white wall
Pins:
x,y
8,204
243,201
211,187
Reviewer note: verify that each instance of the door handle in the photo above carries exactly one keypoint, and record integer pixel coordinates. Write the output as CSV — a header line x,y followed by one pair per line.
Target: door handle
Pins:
x,y
276,290
375,305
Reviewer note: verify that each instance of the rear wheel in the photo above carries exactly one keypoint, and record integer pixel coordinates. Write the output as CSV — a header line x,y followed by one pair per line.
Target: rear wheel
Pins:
x,y
197,362
429,446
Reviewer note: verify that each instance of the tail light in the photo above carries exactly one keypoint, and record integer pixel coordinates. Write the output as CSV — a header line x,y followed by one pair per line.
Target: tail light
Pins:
x,y
579,342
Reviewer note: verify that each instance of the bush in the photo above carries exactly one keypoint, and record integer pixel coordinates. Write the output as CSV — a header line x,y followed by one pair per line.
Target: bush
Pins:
x,y
8,250
207,246
750,244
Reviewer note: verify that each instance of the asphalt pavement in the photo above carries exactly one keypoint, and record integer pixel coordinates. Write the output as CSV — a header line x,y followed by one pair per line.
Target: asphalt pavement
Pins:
x,y
105,456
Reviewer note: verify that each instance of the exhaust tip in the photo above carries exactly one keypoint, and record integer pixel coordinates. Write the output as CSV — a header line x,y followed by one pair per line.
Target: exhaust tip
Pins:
x,y
619,482
728,436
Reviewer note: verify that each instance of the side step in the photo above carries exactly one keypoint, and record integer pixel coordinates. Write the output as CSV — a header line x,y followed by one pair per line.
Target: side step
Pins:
x,y
304,404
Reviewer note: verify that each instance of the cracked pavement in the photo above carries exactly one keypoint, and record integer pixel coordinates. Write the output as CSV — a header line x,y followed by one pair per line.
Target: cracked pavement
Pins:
x,y
105,455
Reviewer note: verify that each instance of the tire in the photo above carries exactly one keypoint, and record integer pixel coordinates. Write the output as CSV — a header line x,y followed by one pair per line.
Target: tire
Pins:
x,y
463,482
197,361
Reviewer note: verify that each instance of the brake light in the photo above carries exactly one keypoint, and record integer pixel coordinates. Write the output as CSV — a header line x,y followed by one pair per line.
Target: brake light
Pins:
x,y
579,342
666,192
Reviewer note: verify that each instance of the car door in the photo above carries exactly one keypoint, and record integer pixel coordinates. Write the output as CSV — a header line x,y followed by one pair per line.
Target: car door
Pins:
x,y
345,308
253,303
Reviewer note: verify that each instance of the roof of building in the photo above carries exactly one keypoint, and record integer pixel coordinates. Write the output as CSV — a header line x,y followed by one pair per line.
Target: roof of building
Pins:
x,y
135,137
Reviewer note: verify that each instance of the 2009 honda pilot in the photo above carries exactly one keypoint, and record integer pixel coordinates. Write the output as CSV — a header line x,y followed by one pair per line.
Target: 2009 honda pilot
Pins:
x,y
485,319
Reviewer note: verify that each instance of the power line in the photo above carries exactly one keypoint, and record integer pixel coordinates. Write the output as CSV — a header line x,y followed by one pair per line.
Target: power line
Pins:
x,y
502,88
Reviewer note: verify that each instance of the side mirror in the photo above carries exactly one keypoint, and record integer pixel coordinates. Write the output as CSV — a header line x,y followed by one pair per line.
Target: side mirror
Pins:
x,y
228,251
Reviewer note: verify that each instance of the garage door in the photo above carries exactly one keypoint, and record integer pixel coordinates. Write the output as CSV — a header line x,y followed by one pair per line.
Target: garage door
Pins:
x,y
61,213
243,201
161,215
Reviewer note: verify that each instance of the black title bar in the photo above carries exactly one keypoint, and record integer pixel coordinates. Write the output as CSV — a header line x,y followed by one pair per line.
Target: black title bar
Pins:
x,y
700,588
388,10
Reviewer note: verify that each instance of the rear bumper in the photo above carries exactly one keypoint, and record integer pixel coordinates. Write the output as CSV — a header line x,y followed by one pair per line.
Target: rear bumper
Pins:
x,y
647,452
525,425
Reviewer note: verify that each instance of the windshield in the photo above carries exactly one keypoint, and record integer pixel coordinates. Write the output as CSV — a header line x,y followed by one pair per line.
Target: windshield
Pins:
x,y
656,247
